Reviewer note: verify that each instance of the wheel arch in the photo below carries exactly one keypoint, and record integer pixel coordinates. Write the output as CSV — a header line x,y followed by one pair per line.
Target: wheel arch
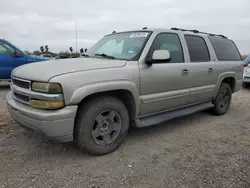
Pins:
x,y
125,91
227,77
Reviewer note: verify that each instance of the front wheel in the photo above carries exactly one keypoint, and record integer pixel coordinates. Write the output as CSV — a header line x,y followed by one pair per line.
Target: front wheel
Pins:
x,y
101,125
223,99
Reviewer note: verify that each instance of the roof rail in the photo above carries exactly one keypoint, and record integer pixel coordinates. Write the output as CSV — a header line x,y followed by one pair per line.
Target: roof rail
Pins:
x,y
196,31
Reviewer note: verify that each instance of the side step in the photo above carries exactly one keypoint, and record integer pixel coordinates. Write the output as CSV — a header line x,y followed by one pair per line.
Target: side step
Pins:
x,y
165,116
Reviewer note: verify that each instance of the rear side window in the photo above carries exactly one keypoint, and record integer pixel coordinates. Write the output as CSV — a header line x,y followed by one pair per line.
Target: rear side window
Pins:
x,y
197,48
225,49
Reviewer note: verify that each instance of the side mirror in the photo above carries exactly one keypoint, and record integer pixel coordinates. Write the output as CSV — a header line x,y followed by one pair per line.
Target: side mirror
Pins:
x,y
17,54
159,56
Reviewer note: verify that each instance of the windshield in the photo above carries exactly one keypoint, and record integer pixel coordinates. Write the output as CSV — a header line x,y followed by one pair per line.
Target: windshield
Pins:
x,y
127,46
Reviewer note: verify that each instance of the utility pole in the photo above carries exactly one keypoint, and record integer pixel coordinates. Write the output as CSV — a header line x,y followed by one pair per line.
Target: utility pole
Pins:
x,y
76,35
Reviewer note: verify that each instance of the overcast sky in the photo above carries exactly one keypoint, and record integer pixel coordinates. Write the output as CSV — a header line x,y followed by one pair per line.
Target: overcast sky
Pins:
x,y
31,23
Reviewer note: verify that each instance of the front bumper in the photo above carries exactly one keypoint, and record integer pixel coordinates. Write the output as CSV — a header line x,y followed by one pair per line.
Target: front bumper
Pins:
x,y
53,124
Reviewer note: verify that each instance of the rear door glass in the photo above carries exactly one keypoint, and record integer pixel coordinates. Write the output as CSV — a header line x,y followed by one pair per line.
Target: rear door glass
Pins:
x,y
197,48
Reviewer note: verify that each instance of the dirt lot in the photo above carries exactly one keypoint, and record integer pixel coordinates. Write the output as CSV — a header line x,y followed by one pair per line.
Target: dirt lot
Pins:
x,y
200,150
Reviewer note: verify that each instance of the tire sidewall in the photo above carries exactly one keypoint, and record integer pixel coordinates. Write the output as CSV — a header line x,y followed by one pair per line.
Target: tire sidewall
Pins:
x,y
86,120
217,109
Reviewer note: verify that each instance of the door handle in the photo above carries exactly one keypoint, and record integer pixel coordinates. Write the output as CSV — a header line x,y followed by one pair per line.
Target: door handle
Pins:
x,y
210,70
184,72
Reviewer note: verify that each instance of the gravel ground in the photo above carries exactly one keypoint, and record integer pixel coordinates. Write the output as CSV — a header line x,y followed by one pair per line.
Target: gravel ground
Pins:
x,y
200,150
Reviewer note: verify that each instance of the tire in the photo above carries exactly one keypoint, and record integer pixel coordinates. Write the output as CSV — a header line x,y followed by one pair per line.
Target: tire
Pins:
x,y
245,85
224,94
97,130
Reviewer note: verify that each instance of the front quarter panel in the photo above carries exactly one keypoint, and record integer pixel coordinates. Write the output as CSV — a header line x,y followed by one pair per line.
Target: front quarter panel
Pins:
x,y
78,85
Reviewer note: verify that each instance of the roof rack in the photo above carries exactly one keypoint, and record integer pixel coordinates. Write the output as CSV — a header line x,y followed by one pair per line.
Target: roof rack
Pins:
x,y
196,31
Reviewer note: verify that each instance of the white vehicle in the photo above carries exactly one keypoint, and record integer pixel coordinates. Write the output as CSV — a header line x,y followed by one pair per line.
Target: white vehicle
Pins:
x,y
246,75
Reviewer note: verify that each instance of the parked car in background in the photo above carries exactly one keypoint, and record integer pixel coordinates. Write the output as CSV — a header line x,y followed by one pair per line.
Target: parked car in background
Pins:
x,y
46,55
12,57
62,57
246,75
134,78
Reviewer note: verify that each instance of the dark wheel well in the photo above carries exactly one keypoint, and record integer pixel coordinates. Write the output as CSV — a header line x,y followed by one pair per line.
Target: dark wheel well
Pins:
x,y
124,95
230,81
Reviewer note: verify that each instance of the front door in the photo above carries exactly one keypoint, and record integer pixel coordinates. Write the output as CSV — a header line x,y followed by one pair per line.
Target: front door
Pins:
x,y
164,85
8,61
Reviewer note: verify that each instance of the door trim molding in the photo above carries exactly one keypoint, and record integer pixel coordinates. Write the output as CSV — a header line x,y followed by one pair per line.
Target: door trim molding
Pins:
x,y
176,93
164,95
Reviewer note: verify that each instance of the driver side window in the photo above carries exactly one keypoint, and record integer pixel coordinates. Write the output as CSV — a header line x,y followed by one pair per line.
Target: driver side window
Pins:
x,y
170,42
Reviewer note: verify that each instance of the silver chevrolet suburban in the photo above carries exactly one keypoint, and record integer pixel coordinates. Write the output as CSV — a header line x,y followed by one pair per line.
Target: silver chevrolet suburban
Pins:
x,y
135,78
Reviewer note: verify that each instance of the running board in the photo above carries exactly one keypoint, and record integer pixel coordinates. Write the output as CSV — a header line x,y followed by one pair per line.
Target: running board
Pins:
x,y
165,116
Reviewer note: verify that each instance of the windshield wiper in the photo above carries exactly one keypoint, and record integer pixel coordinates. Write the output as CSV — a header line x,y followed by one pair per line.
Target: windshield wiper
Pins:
x,y
105,56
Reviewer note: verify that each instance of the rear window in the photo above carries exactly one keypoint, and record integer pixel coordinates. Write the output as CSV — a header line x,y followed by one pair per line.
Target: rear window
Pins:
x,y
225,49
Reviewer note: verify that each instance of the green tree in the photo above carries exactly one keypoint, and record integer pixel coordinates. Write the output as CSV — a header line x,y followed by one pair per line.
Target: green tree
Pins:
x,y
42,49
46,48
37,53
71,49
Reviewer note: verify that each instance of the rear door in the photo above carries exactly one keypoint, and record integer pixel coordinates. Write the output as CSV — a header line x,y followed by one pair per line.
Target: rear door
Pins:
x,y
201,68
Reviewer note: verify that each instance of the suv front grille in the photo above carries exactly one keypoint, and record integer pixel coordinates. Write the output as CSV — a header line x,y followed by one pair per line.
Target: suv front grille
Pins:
x,y
21,97
21,83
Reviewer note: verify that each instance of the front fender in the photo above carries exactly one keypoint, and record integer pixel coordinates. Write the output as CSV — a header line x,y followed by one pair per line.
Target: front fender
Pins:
x,y
86,90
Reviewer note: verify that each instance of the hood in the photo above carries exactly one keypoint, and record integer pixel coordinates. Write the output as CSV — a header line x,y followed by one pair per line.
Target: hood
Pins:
x,y
43,71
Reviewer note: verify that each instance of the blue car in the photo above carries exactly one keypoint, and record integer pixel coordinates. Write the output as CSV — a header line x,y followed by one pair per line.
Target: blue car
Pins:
x,y
12,57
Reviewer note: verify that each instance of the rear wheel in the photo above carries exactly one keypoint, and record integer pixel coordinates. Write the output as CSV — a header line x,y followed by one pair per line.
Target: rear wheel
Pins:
x,y
223,99
101,125
245,85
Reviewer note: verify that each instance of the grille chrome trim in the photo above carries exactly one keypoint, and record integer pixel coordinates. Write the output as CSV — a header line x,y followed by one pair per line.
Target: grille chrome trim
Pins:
x,y
36,95
19,100
27,92
26,84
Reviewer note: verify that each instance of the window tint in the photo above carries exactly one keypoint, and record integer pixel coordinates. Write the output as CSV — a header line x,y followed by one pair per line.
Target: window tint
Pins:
x,y
197,48
225,49
170,42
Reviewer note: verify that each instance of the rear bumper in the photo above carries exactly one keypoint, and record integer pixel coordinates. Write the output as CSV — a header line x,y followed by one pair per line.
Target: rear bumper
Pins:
x,y
55,125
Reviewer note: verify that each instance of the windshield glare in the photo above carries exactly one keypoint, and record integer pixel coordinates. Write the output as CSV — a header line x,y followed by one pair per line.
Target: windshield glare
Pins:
x,y
125,46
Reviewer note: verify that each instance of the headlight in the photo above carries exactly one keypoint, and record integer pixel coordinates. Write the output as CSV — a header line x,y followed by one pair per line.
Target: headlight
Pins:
x,y
53,88
47,105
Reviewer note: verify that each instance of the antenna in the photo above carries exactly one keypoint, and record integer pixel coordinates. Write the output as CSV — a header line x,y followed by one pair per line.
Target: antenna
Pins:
x,y
76,34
